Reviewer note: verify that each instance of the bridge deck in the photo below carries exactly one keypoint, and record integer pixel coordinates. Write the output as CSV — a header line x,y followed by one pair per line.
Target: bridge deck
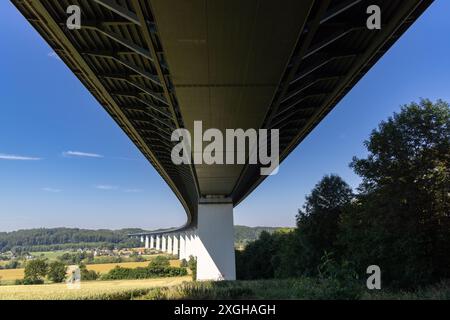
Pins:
x,y
159,65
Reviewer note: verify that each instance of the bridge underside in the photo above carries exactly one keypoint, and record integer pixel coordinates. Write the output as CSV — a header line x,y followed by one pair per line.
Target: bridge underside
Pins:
x,y
159,65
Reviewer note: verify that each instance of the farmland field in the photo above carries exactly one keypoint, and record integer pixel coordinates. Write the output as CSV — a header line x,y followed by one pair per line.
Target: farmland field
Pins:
x,y
13,274
119,289
50,255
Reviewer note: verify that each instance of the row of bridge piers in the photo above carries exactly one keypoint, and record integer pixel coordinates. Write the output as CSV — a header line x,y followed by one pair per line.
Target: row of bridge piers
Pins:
x,y
181,244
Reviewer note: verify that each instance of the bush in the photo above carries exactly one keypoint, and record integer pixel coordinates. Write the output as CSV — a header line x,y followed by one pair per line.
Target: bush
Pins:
x,y
13,264
120,273
160,261
192,264
28,281
87,275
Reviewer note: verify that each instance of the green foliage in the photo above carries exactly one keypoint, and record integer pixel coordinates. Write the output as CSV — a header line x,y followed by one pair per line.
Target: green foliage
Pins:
x,y
76,258
28,281
299,288
13,264
38,240
340,278
88,275
244,235
259,260
437,291
183,263
192,264
119,273
401,219
289,254
318,222
65,238
159,261
35,270
57,271
135,257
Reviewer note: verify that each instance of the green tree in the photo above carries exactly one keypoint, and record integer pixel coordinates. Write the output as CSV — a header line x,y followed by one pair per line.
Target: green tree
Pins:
x,y
401,219
318,222
263,258
35,270
57,271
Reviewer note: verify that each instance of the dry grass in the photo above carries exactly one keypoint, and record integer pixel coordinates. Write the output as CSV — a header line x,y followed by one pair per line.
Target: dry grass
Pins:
x,y
91,290
13,274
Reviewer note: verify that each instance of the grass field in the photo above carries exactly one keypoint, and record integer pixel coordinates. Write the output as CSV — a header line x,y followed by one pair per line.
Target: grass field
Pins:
x,y
50,255
184,288
13,274
301,288
91,290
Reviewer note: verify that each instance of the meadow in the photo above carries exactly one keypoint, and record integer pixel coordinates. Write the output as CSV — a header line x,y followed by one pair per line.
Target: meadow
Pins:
x,y
304,288
184,288
50,255
89,290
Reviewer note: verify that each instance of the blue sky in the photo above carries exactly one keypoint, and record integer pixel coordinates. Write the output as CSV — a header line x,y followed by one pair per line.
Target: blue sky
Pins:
x,y
47,116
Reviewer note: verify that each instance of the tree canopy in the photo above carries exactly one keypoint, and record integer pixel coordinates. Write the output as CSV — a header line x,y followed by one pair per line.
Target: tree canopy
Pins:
x,y
399,219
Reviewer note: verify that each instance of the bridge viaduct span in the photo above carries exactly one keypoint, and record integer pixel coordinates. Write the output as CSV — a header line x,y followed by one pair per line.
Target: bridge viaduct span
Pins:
x,y
159,65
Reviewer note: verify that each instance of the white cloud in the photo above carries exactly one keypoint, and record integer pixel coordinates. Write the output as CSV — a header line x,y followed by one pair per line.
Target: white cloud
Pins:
x,y
106,187
17,157
53,55
51,190
81,154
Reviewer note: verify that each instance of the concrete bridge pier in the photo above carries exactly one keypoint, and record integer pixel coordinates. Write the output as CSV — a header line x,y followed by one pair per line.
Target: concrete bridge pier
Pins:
x,y
146,242
158,242
182,252
215,240
169,244
163,243
189,245
152,242
175,245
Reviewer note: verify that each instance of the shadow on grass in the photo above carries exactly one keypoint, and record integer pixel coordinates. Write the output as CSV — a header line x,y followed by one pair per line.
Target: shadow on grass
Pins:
x,y
301,288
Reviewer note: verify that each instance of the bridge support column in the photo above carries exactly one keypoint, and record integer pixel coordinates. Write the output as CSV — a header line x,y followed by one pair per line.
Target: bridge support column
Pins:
x,y
158,242
215,242
195,244
164,243
182,253
146,242
169,243
175,245
188,247
152,242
